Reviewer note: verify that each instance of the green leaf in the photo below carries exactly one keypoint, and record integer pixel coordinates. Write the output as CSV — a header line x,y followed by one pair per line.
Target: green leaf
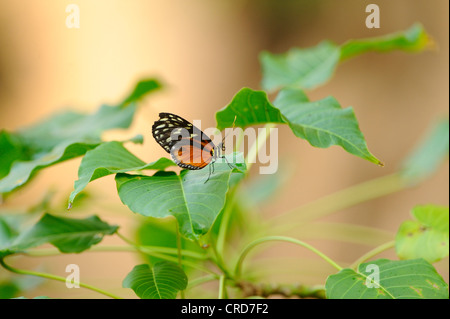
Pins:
x,y
162,281
425,237
70,126
111,158
428,155
323,123
22,171
67,234
10,150
310,67
8,289
141,89
412,40
250,108
301,68
194,202
405,279
61,137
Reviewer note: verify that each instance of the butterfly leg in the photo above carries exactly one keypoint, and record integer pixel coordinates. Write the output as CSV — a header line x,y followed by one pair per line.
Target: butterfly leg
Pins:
x,y
209,175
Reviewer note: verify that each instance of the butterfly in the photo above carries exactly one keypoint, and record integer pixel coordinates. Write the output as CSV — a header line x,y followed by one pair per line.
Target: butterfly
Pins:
x,y
188,146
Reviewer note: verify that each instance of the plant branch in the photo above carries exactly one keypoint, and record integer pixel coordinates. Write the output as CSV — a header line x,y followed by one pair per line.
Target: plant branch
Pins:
x,y
54,277
373,252
222,288
342,199
292,290
180,263
165,257
285,239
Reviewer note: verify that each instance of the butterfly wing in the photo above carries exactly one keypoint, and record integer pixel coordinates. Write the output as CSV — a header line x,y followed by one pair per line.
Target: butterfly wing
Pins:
x,y
189,147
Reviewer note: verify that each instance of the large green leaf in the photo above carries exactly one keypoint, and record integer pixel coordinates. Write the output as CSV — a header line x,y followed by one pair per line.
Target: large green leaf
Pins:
x,y
323,123
111,158
427,157
162,281
67,234
63,136
425,237
310,67
250,108
190,197
22,171
405,279
301,68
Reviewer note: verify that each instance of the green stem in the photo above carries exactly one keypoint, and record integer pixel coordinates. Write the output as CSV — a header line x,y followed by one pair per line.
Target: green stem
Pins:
x,y
342,199
149,250
285,239
218,260
254,149
177,231
201,280
169,258
54,277
223,228
222,288
373,252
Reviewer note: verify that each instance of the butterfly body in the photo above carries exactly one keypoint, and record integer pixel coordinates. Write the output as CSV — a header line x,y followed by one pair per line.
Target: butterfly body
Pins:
x,y
188,146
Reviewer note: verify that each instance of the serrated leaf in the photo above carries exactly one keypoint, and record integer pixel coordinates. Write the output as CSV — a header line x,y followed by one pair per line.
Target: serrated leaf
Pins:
x,y
69,235
300,68
194,202
428,155
425,237
414,39
162,281
404,279
111,158
323,123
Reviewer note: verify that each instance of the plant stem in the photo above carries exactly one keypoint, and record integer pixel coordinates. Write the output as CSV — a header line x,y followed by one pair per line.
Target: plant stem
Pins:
x,y
223,228
169,258
201,280
222,287
372,253
54,277
254,149
250,289
285,239
177,231
218,260
342,199
155,251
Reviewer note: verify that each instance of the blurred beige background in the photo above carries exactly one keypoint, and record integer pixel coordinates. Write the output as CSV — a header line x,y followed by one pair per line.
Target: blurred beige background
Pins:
x,y
205,51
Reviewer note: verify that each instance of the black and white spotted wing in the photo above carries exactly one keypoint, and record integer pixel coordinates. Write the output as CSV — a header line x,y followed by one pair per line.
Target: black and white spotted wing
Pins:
x,y
194,149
